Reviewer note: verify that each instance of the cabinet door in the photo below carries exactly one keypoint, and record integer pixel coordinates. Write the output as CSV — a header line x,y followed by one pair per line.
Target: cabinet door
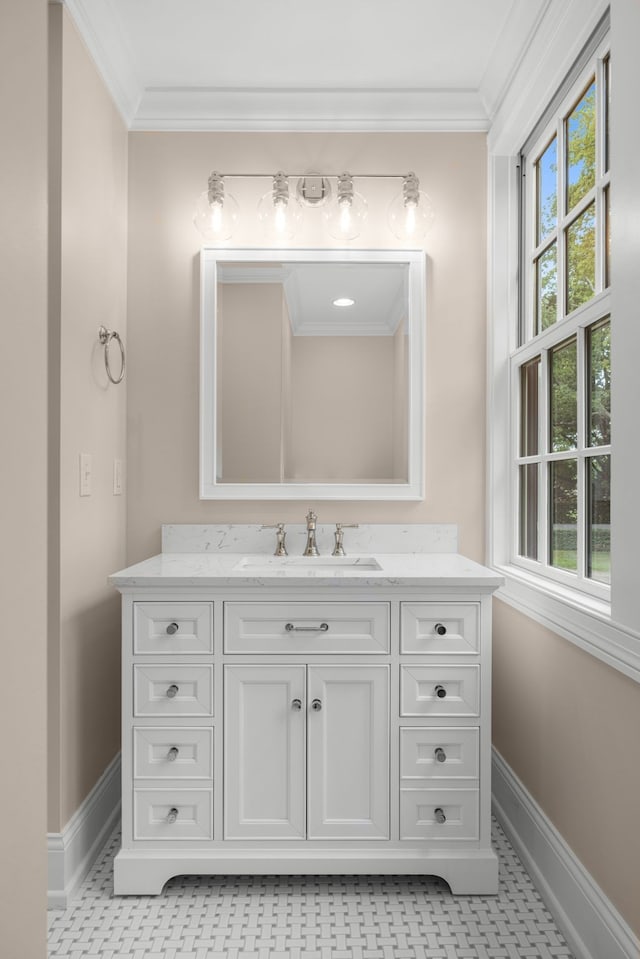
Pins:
x,y
348,750
264,752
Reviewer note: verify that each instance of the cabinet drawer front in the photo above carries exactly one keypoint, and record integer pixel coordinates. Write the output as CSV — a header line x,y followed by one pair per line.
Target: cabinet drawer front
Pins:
x,y
439,690
439,628
170,628
172,814
306,628
439,814
173,690
435,752
172,753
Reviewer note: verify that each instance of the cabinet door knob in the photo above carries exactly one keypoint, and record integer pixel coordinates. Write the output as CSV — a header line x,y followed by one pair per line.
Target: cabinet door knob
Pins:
x,y
440,629
172,815
172,755
296,704
172,628
440,692
172,690
440,754
316,705
439,815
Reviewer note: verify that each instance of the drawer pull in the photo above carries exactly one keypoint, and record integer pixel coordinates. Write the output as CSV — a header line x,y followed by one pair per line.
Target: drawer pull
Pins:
x,y
316,705
322,628
172,690
172,815
440,629
440,692
172,755
440,754
439,814
296,704
172,628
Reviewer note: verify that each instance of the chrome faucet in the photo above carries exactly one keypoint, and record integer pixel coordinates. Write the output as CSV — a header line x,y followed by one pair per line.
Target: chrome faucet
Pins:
x,y
281,549
311,549
338,549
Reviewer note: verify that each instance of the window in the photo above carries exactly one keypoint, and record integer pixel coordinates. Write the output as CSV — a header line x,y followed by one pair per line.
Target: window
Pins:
x,y
561,367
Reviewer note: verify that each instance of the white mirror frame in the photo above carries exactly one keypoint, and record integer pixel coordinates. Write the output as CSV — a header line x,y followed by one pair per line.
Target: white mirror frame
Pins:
x,y
210,488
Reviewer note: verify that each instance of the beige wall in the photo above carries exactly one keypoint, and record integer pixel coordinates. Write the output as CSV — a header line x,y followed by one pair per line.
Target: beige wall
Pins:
x,y
568,725
23,504
167,173
249,381
342,407
88,245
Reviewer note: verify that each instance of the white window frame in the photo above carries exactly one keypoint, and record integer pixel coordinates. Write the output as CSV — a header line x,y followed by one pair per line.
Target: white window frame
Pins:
x,y
566,326
608,630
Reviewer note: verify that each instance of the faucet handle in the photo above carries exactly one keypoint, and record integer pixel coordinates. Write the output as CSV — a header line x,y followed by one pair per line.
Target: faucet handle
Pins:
x,y
338,549
281,549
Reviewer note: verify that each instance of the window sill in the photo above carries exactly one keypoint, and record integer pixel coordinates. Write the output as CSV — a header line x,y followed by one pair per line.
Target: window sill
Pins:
x,y
581,619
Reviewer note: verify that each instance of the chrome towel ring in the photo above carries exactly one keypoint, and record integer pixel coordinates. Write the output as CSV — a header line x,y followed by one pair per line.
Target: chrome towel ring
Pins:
x,y
106,336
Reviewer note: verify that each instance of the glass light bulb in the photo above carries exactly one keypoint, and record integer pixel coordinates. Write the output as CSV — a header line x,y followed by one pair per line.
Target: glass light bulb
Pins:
x,y
411,219
216,220
345,216
280,217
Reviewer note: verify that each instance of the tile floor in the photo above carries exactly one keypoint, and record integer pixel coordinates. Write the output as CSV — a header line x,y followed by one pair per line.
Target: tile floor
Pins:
x,y
342,917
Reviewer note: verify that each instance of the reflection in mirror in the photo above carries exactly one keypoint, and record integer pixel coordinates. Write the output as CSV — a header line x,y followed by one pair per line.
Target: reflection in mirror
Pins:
x,y
312,376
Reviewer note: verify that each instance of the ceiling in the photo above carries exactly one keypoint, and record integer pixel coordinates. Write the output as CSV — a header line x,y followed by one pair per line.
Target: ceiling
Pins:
x,y
293,64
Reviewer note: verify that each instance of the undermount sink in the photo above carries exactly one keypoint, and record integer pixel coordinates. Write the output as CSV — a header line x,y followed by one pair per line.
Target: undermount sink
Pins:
x,y
265,563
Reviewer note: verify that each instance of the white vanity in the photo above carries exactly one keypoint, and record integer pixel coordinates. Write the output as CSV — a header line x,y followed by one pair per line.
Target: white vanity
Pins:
x,y
306,715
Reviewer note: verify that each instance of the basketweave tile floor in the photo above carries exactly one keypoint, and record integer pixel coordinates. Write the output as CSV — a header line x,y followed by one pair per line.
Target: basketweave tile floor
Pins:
x,y
314,917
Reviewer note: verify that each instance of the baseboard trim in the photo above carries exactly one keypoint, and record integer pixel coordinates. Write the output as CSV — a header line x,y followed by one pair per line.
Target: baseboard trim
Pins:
x,y
71,853
590,923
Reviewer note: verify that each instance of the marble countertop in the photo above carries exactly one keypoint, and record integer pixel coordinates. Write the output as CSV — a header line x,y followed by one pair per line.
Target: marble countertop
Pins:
x,y
250,570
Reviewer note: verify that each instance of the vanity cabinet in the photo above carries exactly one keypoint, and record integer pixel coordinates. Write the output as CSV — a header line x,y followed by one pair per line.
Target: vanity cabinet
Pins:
x,y
305,728
306,752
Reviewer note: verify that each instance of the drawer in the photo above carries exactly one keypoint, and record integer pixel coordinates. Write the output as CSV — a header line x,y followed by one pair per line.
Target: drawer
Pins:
x,y
172,814
172,753
166,629
438,752
438,628
439,814
306,628
160,690
439,690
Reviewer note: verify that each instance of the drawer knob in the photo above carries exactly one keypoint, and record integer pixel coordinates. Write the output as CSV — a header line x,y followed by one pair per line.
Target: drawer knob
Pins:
x,y
172,690
172,815
172,628
316,705
172,755
439,815
296,704
322,628
440,629
440,754
440,692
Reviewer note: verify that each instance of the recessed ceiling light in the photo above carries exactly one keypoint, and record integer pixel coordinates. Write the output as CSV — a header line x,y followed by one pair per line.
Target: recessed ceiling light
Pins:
x,y
344,301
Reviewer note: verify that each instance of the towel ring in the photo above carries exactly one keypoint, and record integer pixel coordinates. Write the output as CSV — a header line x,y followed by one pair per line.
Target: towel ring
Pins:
x,y
106,336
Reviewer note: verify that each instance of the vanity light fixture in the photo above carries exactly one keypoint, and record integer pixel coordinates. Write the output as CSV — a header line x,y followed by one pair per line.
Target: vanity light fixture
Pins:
x,y
410,214
216,211
279,213
347,213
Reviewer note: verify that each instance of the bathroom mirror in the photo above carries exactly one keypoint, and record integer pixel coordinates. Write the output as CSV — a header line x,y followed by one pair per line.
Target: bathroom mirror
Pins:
x,y
312,374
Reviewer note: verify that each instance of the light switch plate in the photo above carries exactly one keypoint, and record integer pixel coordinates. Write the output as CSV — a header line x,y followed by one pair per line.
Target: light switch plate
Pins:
x,y
86,470
117,477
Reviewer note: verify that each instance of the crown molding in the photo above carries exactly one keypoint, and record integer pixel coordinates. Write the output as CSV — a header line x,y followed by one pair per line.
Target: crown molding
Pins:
x,y
347,109
108,48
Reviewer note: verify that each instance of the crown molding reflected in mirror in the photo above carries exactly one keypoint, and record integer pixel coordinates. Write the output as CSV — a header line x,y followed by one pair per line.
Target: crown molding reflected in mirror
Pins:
x,y
312,374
